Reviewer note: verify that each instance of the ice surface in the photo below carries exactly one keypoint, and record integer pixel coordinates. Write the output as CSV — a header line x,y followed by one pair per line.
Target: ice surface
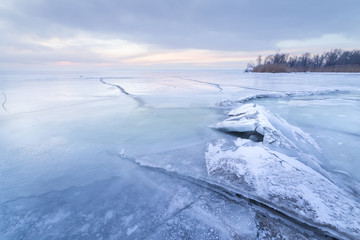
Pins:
x,y
123,158
277,179
332,120
286,184
141,203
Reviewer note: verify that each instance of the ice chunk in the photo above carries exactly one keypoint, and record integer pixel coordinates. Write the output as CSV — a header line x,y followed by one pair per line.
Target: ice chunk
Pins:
x,y
241,125
280,172
276,131
284,183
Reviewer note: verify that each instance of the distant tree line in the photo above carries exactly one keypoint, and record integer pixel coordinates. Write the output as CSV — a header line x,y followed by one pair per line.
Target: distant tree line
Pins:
x,y
333,61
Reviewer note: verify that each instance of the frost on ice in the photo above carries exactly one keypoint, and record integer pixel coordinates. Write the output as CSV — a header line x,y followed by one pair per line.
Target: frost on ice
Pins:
x,y
256,120
268,162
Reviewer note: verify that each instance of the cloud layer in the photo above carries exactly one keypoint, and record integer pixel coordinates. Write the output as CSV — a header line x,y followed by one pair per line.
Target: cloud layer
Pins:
x,y
143,26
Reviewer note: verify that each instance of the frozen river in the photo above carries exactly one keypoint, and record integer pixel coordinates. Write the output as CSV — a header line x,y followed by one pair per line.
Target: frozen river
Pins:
x,y
179,155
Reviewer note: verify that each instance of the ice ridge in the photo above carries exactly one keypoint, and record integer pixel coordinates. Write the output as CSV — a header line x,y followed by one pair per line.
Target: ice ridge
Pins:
x,y
273,95
279,172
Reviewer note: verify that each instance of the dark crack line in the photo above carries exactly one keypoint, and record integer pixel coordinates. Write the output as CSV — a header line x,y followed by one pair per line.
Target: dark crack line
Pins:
x,y
235,195
259,89
203,82
224,223
62,106
114,85
5,100
139,101
174,214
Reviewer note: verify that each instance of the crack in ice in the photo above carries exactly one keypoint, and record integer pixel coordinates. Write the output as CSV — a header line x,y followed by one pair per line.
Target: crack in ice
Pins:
x,y
5,100
258,89
279,173
187,206
203,82
235,194
139,101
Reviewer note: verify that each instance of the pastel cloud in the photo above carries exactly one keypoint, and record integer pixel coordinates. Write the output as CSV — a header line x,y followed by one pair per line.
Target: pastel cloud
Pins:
x,y
145,32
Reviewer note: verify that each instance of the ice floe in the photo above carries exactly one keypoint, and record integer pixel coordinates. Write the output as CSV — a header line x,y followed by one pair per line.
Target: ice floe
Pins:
x,y
278,172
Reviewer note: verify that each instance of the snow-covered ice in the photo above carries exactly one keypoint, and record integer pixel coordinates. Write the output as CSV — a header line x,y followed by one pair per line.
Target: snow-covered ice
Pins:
x,y
280,179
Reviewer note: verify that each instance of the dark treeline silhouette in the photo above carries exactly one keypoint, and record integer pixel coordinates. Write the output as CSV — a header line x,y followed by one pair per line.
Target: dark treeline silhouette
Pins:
x,y
333,61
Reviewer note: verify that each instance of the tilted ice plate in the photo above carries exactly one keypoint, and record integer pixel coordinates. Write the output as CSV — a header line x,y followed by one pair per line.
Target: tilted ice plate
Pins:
x,y
279,172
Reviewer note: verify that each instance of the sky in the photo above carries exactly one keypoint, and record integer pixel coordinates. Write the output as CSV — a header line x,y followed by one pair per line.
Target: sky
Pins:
x,y
170,34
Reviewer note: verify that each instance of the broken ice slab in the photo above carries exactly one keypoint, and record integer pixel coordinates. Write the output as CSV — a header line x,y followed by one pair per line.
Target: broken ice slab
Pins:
x,y
275,131
286,184
280,172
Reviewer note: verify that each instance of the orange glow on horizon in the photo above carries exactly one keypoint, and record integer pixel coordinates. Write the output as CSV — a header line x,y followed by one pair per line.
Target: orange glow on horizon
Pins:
x,y
193,56
67,63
